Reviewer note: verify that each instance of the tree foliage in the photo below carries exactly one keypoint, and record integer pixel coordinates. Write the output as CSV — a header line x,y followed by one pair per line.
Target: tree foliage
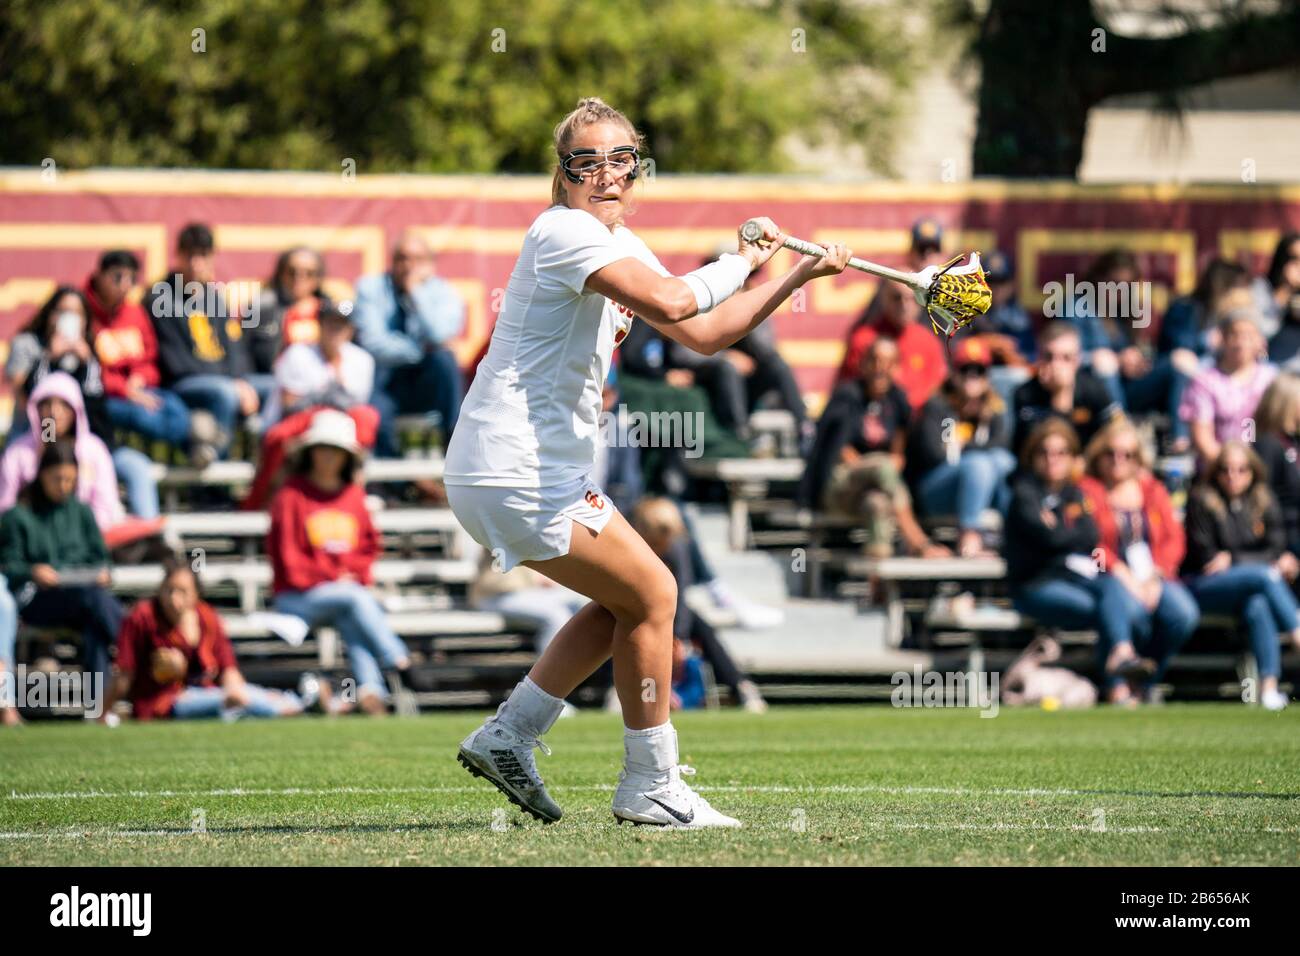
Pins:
x,y
404,85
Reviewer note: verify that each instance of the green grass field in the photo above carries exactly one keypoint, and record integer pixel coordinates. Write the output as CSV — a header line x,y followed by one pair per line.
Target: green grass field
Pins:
x,y
1210,784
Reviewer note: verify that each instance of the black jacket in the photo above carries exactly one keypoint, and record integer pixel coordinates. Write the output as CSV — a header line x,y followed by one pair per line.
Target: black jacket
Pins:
x,y
1233,529
843,422
192,342
1093,407
1033,549
1281,457
926,440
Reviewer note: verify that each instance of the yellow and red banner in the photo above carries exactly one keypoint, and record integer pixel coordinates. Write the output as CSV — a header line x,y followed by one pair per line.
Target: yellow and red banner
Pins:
x,y
53,227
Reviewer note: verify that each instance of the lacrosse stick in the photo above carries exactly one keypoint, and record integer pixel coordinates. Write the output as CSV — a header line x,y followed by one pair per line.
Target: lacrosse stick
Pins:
x,y
951,297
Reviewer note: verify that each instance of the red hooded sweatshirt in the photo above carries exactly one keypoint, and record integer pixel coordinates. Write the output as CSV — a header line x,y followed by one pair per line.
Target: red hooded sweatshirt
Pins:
x,y
317,537
125,343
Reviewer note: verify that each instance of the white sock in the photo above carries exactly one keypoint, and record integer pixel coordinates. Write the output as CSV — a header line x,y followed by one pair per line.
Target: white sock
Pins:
x,y
652,750
529,710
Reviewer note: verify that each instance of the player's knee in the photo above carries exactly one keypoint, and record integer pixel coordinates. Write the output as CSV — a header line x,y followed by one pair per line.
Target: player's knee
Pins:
x,y
661,597
655,599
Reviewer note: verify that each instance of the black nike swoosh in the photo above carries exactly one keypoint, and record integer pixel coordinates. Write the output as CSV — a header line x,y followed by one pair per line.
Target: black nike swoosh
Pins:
x,y
676,814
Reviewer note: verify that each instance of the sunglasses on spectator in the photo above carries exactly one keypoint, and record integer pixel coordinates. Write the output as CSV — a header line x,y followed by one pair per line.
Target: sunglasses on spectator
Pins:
x,y
1119,454
972,371
1061,356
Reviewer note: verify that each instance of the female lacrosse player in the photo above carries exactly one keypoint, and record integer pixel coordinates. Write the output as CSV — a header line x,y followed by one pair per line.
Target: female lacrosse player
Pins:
x,y
517,469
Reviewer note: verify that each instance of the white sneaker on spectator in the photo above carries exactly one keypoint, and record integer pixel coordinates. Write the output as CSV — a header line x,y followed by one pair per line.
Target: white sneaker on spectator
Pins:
x,y
1273,700
504,758
750,616
751,699
665,800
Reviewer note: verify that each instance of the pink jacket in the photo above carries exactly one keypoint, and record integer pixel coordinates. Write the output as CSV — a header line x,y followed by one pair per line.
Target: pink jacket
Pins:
x,y
96,480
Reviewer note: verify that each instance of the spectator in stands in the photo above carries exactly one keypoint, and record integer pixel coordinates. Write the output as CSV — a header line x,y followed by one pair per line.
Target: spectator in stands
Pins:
x,y
323,546
659,522
618,463
127,349
175,660
648,386
9,716
57,416
58,340
1006,329
1280,295
856,466
957,449
288,311
1235,543
525,598
202,352
1052,556
55,560
737,378
1189,332
331,370
1219,404
1277,442
895,314
1061,389
1141,541
330,373
1111,347
405,318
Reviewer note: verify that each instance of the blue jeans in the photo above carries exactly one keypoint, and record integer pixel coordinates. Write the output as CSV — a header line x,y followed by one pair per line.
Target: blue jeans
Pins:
x,y
432,384
216,394
978,481
1258,595
135,471
1071,601
352,610
91,610
197,703
8,624
169,423
1160,634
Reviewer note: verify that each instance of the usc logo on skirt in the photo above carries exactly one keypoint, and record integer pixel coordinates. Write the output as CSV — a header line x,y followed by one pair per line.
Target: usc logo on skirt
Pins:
x,y
595,500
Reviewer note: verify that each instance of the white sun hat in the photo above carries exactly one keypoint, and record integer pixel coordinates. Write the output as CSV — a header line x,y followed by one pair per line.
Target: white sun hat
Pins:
x,y
333,428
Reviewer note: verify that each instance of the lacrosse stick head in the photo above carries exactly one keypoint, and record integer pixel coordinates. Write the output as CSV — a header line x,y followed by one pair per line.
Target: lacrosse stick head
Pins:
x,y
955,294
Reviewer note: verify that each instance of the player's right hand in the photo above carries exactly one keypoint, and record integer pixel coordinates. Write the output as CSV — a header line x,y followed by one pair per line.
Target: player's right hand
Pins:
x,y
762,249
832,264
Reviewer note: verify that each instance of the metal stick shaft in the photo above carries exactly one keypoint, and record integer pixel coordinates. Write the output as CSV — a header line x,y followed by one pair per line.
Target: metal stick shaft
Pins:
x,y
753,231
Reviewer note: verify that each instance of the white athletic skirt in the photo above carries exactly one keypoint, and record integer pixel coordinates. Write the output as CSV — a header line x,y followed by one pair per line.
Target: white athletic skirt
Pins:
x,y
528,524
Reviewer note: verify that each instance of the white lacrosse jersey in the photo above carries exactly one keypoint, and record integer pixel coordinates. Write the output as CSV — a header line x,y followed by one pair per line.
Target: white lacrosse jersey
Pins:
x,y
532,416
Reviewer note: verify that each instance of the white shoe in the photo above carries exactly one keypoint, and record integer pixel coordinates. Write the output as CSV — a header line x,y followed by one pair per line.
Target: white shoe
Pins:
x,y
504,759
1273,700
751,699
665,801
750,616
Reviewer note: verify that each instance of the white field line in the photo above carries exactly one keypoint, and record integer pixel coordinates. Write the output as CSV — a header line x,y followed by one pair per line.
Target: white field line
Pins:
x,y
88,833
759,788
